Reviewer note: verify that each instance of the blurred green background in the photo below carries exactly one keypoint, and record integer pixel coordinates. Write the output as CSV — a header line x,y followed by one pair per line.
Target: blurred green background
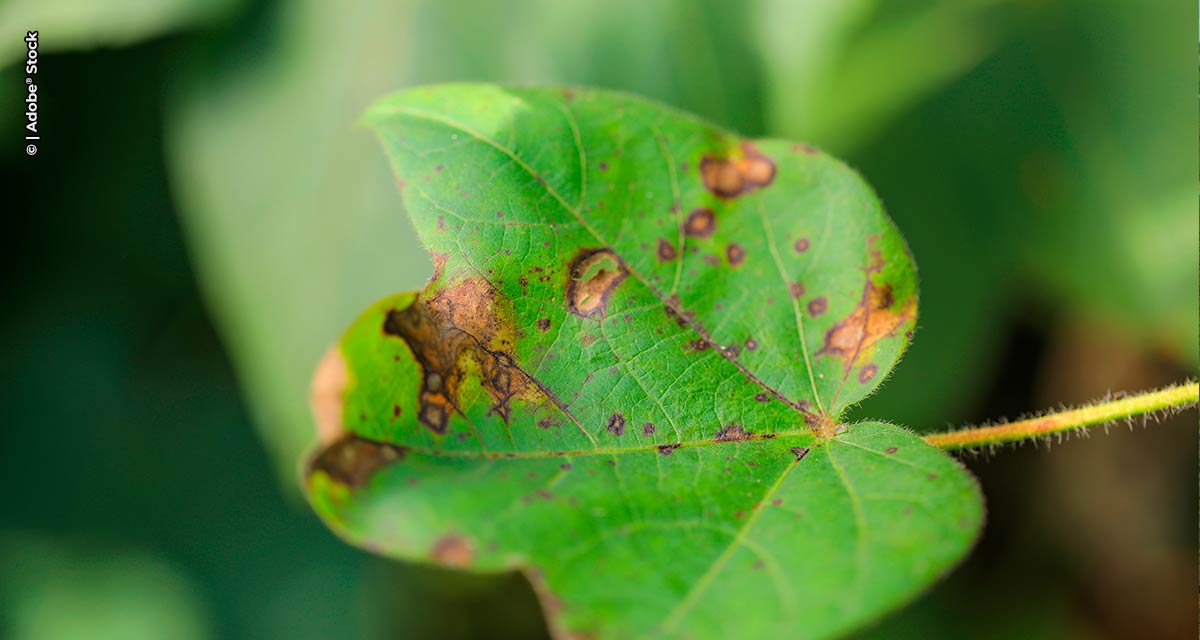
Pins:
x,y
204,217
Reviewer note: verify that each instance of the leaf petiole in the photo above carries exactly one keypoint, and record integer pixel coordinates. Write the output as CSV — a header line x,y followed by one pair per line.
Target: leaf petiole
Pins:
x,y
1174,398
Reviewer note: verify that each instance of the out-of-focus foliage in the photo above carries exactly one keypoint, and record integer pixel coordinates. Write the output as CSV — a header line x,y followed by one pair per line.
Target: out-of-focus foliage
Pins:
x,y
84,24
52,591
1113,195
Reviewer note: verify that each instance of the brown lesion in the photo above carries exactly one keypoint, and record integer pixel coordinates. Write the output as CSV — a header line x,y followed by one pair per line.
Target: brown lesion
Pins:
x,y
700,223
876,316
733,432
327,395
666,251
735,254
454,330
616,424
352,459
743,172
452,550
592,276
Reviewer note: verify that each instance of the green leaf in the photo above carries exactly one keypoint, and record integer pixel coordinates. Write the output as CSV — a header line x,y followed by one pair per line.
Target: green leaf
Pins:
x,y
627,374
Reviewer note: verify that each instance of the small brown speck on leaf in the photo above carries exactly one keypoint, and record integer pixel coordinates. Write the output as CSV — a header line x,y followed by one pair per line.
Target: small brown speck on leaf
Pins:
x,y
733,432
666,251
603,166
648,429
777,501
801,245
543,324
796,289
616,424
751,344
736,254
667,449
762,397
700,223
799,452
867,373
891,450
817,306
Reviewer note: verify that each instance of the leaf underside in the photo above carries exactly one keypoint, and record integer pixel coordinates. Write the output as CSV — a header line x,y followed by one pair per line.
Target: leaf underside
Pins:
x,y
626,376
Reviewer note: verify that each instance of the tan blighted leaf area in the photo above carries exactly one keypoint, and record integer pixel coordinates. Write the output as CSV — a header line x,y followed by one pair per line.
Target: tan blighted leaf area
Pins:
x,y
456,328
875,318
639,339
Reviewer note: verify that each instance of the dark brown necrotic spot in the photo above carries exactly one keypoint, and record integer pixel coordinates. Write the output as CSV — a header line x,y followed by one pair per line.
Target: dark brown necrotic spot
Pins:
x,y
796,290
762,397
733,432
700,223
666,251
736,254
592,277
801,245
751,344
616,424
667,449
648,429
543,324
891,450
352,460
817,306
742,173
867,373
799,452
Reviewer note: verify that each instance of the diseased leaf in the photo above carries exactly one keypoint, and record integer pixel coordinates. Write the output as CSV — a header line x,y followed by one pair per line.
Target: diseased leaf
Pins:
x,y
627,374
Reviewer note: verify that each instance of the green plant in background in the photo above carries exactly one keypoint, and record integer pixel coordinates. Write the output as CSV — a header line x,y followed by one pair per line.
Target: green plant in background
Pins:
x,y
629,373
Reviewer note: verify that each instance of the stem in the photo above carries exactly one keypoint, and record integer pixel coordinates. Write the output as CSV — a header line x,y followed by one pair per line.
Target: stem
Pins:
x,y
1174,398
